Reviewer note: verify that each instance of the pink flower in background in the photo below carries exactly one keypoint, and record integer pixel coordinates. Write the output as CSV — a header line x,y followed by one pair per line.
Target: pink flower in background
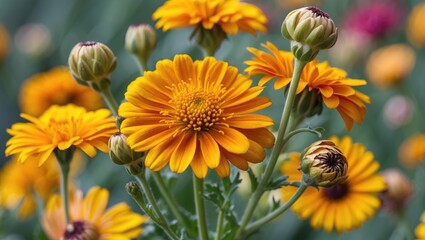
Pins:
x,y
398,111
375,19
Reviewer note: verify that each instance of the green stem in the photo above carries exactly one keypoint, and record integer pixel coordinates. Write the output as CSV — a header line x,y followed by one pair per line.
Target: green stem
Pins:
x,y
198,189
301,130
172,202
64,158
253,201
151,198
143,65
105,92
220,221
260,222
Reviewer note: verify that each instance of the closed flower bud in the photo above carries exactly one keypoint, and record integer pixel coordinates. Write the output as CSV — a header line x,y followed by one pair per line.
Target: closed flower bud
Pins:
x,y
307,103
309,30
121,154
91,63
399,190
324,164
140,40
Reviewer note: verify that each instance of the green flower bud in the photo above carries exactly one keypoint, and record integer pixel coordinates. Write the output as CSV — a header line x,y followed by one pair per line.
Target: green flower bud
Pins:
x,y
209,39
324,164
121,154
140,40
307,103
91,63
309,30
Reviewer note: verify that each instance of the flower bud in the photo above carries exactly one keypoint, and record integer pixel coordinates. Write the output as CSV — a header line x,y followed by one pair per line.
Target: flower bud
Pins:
x,y
121,154
324,164
140,40
91,63
308,103
399,190
309,30
209,39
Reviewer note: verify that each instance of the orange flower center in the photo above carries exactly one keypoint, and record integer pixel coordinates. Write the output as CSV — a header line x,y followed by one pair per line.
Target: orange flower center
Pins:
x,y
62,130
196,108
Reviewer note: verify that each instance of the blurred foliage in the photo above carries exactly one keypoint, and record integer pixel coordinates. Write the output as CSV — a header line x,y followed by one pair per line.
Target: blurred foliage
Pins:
x,y
106,21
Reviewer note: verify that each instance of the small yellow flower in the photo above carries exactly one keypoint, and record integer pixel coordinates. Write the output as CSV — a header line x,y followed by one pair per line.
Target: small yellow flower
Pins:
x,y
384,67
415,29
55,87
60,127
21,183
231,16
335,88
90,219
196,113
412,151
420,229
343,206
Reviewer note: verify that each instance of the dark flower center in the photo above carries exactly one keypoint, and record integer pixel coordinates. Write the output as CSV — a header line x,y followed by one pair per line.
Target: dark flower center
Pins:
x,y
88,43
80,230
318,12
336,192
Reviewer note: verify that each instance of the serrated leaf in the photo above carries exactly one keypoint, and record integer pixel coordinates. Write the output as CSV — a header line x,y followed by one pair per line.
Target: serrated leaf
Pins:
x,y
277,183
253,179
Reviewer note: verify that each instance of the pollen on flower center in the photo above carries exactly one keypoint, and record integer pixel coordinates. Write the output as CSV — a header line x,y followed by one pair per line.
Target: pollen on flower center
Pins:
x,y
336,192
196,108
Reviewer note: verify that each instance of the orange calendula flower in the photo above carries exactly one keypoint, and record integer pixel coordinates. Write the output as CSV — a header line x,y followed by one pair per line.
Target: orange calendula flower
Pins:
x,y
62,128
21,183
90,219
231,16
332,84
196,113
55,87
415,29
384,67
345,205
412,151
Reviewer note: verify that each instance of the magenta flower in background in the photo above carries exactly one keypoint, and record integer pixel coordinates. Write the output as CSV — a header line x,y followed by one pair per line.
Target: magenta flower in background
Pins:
x,y
375,19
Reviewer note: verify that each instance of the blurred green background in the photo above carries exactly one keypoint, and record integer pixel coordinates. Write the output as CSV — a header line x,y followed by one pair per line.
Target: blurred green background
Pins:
x,y
67,22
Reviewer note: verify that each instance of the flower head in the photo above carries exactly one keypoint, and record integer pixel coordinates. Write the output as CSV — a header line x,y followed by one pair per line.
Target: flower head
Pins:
x,y
231,16
415,30
412,151
374,19
62,128
384,67
343,206
90,219
420,229
196,113
332,84
324,163
55,87
22,183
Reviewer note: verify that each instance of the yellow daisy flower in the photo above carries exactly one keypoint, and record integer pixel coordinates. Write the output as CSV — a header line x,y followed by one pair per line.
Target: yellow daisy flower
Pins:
x,y
335,89
412,151
60,127
420,229
90,219
231,16
20,183
56,86
196,113
346,205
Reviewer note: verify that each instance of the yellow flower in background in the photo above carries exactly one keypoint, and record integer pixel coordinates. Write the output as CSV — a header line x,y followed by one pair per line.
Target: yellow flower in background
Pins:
x,y
55,87
21,183
231,16
90,216
412,151
335,89
60,127
390,64
420,229
196,113
343,206
4,42
415,23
